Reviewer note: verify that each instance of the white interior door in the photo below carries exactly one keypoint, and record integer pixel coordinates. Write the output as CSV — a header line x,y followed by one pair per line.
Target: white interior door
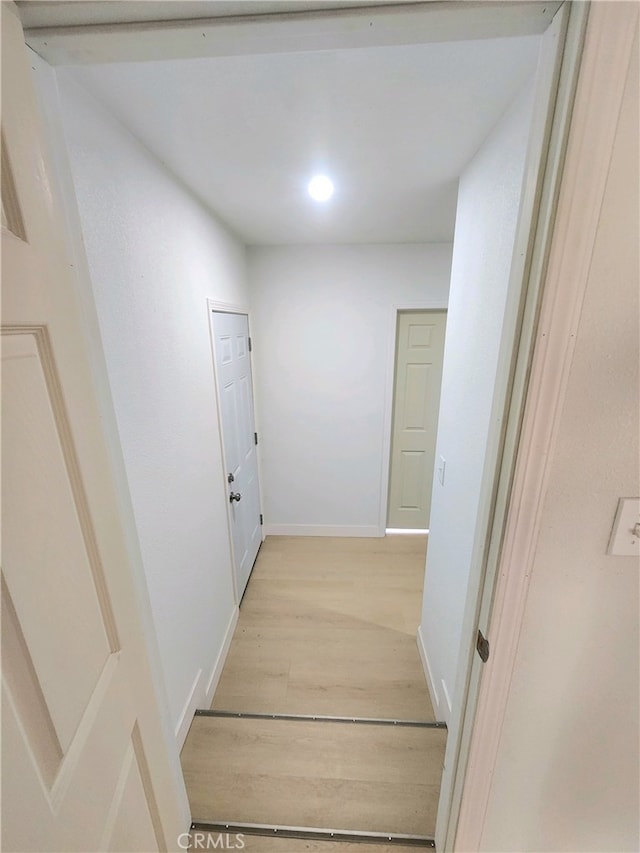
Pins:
x,y
85,764
235,390
418,375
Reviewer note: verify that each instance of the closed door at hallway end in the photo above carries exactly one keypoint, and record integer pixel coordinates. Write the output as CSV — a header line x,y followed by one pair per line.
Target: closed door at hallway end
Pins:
x,y
418,375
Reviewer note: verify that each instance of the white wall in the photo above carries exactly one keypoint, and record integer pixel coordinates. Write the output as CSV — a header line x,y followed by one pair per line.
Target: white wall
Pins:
x,y
488,203
155,255
322,324
566,776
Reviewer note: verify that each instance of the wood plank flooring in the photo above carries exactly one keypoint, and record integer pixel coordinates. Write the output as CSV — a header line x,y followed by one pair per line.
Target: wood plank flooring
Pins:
x,y
327,627
328,775
262,844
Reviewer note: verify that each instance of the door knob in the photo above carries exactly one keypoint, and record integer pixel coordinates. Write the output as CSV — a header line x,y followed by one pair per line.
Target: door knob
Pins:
x,y
234,496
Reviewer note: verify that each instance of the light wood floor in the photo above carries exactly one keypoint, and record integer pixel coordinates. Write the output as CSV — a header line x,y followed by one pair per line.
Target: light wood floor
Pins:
x,y
329,775
327,627
260,844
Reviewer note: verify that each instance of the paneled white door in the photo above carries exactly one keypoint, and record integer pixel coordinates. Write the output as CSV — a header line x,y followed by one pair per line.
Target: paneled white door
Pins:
x,y
233,372
85,764
418,376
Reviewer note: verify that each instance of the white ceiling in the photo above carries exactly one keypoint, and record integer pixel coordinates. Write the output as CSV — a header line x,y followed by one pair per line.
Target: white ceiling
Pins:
x,y
393,126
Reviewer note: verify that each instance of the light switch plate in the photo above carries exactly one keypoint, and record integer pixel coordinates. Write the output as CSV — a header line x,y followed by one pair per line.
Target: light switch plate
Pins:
x,y
440,469
625,538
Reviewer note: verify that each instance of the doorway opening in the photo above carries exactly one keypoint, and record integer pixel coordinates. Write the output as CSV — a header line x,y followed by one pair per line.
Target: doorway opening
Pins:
x,y
507,358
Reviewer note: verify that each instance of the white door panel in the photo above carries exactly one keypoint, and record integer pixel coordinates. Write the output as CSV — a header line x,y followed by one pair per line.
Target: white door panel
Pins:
x,y
84,761
44,543
233,372
418,374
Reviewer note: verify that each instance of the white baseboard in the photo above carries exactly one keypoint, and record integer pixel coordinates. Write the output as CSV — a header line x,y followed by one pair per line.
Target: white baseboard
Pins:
x,y
193,700
322,530
218,666
442,710
447,699
199,695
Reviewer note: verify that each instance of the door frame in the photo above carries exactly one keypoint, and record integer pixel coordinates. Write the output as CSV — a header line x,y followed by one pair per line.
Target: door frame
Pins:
x,y
68,46
532,248
277,32
435,304
231,308
602,70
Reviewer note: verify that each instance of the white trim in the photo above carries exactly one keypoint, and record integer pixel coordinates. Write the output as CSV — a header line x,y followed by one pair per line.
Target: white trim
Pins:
x,y
610,34
406,531
218,666
436,304
199,695
554,86
428,674
227,307
447,716
402,24
189,709
365,531
440,304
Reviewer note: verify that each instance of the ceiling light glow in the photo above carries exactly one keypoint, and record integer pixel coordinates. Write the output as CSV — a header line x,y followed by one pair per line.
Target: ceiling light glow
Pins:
x,y
320,188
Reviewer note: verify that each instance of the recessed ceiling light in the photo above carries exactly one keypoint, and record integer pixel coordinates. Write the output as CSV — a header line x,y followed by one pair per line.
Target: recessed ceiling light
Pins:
x,y
320,188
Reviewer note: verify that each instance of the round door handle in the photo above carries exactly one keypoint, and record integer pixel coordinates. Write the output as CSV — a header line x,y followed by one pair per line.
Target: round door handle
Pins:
x,y
234,496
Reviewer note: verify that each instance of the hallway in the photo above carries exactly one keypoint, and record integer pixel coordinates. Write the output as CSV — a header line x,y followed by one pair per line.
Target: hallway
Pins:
x,y
326,629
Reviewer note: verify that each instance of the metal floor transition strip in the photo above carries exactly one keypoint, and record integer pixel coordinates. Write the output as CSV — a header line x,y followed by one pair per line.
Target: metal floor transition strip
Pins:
x,y
314,834
312,718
